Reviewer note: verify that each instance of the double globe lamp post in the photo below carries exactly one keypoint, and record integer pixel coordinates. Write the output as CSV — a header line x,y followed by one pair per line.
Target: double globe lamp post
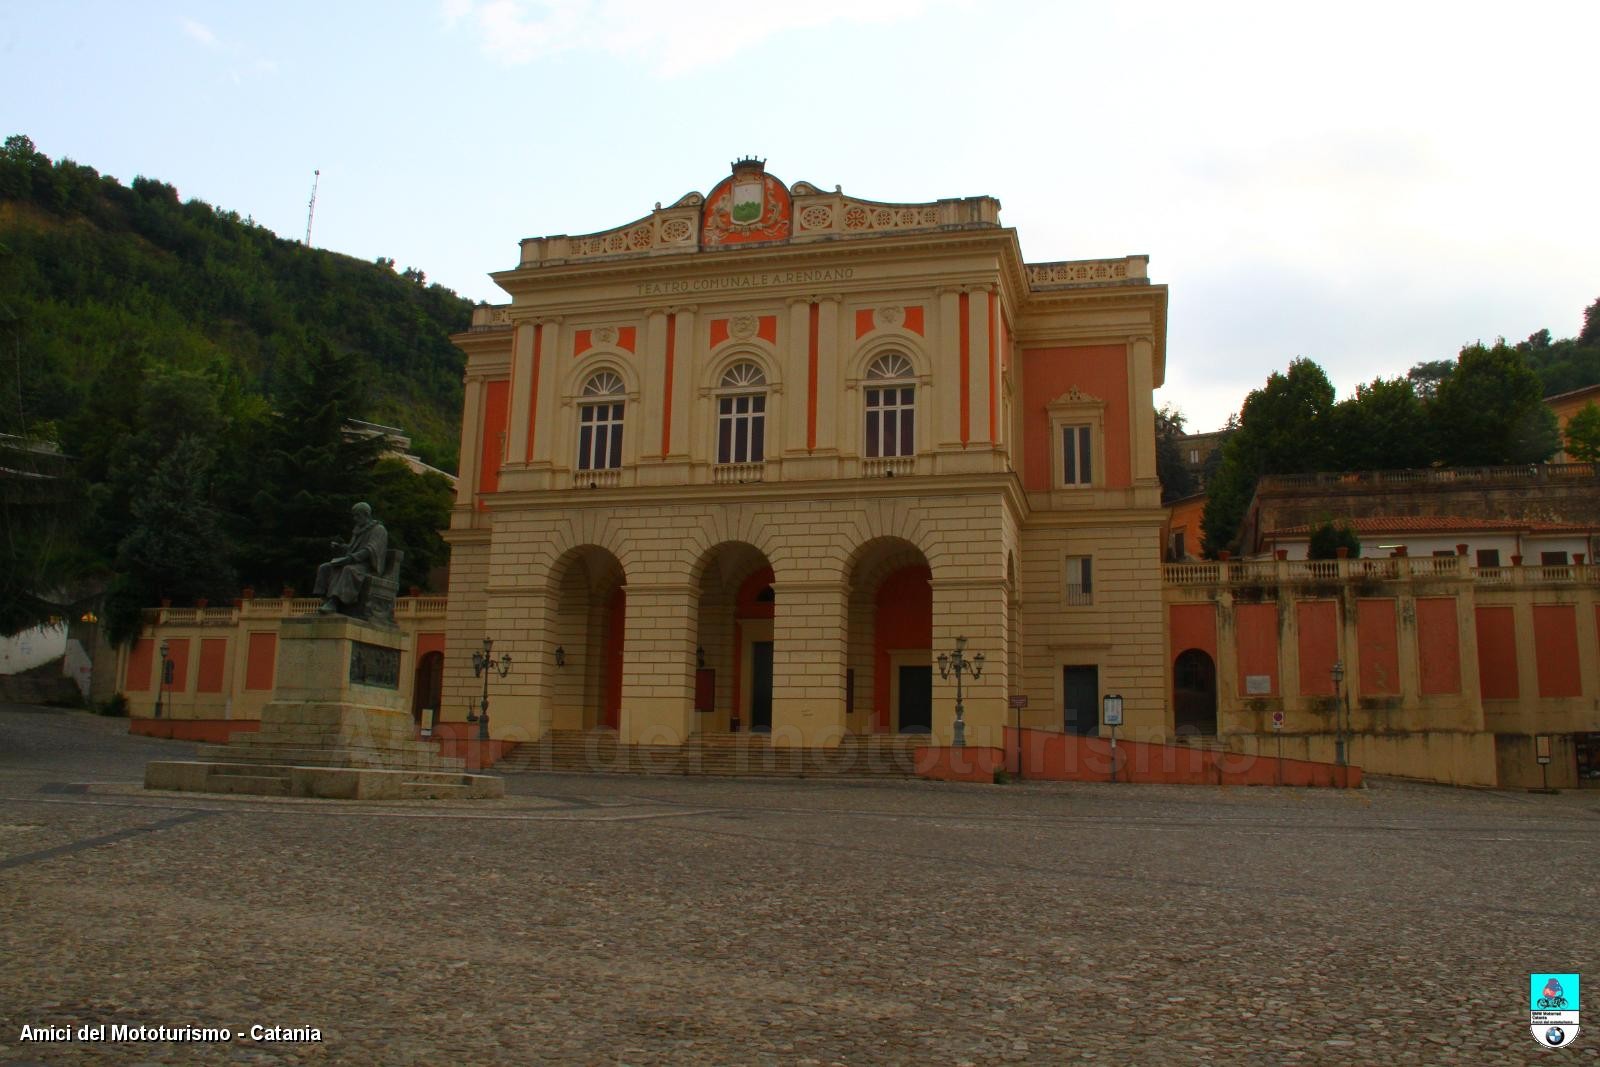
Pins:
x,y
484,665
957,664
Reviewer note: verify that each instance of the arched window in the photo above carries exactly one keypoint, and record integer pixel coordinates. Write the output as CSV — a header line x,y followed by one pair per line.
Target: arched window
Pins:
x,y
742,415
891,397
600,422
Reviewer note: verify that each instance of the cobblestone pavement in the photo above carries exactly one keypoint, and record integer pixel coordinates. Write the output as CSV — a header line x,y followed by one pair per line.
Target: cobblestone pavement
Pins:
x,y
632,920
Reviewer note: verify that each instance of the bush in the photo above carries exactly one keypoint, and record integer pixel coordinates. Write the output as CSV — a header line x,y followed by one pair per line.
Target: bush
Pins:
x,y
116,707
1328,538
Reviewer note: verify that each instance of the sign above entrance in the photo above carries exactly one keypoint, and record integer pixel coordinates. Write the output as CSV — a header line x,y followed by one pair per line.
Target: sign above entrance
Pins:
x,y
1019,701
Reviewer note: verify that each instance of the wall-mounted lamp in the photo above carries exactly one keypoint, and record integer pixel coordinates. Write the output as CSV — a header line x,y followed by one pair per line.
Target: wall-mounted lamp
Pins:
x,y
561,656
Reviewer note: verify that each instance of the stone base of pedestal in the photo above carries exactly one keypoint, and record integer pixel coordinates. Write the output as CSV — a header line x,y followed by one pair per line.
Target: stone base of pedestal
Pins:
x,y
335,728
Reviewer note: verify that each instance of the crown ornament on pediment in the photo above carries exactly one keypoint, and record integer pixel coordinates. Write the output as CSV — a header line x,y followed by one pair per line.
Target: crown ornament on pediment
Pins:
x,y
743,327
1074,395
605,335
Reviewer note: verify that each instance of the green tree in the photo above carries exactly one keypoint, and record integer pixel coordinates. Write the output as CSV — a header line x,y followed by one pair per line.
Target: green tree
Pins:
x,y
1327,539
175,548
414,508
1383,426
1425,377
1583,434
1491,411
1176,480
310,470
1285,427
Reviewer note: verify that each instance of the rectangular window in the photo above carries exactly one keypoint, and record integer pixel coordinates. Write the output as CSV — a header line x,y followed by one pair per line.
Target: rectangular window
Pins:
x,y
1444,552
599,437
1076,460
741,429
1194,457
1552,559
891,425
1080,580
1488,557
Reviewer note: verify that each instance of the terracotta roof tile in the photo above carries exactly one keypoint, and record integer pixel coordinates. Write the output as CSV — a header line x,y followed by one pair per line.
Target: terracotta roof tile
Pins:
x,y
1436,524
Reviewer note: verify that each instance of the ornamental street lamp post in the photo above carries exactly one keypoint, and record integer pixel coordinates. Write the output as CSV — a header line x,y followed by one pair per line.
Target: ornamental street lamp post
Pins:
x,y
484,664
1340,751
958,664
161,679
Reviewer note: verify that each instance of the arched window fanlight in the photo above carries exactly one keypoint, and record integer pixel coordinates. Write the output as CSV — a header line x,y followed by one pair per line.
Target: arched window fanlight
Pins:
x,y
606,383
890,367
742,376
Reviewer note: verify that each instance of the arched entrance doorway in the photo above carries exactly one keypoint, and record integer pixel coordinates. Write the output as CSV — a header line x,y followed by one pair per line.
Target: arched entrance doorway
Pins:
x,y
734,641
586,635
889,677
1194,694
427,688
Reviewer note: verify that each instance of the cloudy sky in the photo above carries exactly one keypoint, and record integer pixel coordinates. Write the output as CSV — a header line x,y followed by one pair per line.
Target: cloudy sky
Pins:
x,y
1368,185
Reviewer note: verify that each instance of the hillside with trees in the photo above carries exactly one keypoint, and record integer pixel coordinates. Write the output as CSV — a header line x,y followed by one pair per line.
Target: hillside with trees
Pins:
x,y
182,379
1484,408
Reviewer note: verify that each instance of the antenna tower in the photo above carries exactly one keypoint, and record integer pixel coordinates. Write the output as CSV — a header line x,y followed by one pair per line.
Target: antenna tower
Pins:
x,y
311,208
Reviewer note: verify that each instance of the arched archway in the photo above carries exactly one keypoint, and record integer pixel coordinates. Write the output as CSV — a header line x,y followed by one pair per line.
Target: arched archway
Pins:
x,y
734,640
427,687
585,637
890,650
1194,694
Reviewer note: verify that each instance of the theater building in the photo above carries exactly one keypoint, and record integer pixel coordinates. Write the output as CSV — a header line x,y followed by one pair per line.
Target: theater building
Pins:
x,y
752,462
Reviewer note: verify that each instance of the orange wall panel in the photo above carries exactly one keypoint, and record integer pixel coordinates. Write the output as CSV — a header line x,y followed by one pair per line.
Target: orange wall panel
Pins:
x,y
1193,626
1497,653
1318,624
1438,645
496,411
628,338
914,319
863,322
213,664
767,328
582,341
429,643
1555,642
1098,370
140,669
719,331
260,661
178,656
1379,645
1256,629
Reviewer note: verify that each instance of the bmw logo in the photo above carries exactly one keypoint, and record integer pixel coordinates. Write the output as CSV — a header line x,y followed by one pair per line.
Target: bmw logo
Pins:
x,y
1554,1036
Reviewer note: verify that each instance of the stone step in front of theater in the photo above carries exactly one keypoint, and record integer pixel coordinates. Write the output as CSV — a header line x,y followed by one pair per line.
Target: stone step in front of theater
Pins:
x,y
332,783
729,755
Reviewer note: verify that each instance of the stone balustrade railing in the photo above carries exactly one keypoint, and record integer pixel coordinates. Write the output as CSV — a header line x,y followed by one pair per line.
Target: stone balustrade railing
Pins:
x,y
1390,569
406,607
1525,472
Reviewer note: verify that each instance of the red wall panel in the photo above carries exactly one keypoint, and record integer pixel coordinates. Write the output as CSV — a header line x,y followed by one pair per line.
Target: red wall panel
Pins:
x,y
260,661
1555,642
496,412
1318,624
140,672
1193,626
1257,629
904,620
1438,645
1497,653
1379,646
213,664
1098,370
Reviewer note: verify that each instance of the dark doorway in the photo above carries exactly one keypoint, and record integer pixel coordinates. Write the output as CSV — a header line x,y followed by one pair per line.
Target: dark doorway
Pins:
x,y
761,686
1080,700
427,685
1194,694
916,700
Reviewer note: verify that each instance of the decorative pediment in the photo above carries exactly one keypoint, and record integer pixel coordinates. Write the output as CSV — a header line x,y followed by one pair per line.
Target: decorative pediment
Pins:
x,y
1074,398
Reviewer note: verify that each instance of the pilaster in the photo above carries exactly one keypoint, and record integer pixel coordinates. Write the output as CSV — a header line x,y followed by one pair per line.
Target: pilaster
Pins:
x,y
810,645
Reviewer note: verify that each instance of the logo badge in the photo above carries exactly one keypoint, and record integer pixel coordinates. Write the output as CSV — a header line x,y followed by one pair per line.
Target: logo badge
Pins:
x,y
749,202
1553,1008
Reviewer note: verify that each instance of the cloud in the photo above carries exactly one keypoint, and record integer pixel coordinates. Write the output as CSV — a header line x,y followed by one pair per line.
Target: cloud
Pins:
x,y
199,32
658,35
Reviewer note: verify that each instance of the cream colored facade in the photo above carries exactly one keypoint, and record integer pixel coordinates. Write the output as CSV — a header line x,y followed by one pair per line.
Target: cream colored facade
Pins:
x,y
808,304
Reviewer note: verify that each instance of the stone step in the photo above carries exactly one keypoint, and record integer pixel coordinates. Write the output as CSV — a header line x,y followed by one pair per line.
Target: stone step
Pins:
x,y
260,785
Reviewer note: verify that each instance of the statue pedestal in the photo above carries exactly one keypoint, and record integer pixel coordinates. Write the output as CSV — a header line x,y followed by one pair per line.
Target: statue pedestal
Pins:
x,y
336,727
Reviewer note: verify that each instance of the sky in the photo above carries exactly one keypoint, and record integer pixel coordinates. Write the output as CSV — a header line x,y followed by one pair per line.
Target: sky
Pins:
x,y
1365,185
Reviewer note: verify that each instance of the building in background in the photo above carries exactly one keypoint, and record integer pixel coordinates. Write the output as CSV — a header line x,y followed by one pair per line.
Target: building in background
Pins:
x,y
753,461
